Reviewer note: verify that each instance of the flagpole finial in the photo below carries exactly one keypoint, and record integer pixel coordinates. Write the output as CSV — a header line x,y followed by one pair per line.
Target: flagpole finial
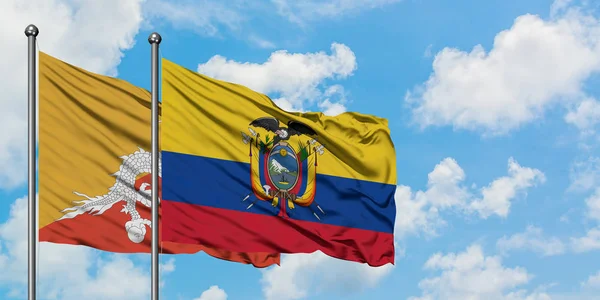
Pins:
x,y
32,30
154,38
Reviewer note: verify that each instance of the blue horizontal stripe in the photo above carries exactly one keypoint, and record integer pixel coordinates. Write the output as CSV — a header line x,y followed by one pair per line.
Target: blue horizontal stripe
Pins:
x,y
224,184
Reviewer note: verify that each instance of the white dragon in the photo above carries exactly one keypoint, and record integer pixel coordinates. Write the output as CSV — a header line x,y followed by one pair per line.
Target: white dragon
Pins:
x,y
123,190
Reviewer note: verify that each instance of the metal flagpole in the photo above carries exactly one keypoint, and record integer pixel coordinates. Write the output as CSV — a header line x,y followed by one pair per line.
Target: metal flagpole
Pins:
x,y
154,41
31,32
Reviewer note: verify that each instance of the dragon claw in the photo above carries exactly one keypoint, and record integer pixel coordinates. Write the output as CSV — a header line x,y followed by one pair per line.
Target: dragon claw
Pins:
x,y
136,229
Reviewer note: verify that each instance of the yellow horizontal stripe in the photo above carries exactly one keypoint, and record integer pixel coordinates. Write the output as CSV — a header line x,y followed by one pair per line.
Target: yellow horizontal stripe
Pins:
x,y
205,117
86,122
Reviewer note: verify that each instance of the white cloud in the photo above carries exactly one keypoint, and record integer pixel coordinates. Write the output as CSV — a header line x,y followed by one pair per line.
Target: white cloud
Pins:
x,y
420,211
69,272
117,278
301,11
213,293
168,266
204,16
496,197
301,275
297,79
593,282
74,31
559,6
427,53
472,275
532,239
331,109
334,100
585,116
261,42
593,205
589,242
524,295
414,214
532,66
585,175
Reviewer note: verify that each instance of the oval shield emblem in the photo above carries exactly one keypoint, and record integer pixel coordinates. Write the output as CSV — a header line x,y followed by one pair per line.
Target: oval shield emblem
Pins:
x,y
283,166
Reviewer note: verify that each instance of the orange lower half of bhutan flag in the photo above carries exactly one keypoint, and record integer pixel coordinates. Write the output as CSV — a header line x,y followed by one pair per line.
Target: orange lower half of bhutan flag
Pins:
x,y
94,165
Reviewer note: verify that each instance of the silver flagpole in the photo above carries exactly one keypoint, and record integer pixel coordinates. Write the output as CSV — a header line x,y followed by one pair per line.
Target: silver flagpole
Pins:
x,y
154,41
31,32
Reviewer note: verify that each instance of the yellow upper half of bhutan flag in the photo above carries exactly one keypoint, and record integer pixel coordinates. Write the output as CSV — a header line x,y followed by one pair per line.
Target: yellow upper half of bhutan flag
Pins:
x,y
86,123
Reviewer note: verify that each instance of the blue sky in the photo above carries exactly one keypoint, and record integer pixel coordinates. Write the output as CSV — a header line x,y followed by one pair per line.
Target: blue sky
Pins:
x,y
492,106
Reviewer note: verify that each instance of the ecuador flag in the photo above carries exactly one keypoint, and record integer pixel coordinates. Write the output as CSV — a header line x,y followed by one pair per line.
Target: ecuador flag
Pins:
x,y
241,174
92,127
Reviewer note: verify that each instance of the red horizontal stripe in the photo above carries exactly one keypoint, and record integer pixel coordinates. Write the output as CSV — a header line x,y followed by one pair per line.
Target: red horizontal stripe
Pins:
x,y
249,232
107,232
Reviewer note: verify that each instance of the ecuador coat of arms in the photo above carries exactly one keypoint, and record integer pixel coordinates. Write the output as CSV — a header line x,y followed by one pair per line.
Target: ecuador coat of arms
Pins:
x,y
283,166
